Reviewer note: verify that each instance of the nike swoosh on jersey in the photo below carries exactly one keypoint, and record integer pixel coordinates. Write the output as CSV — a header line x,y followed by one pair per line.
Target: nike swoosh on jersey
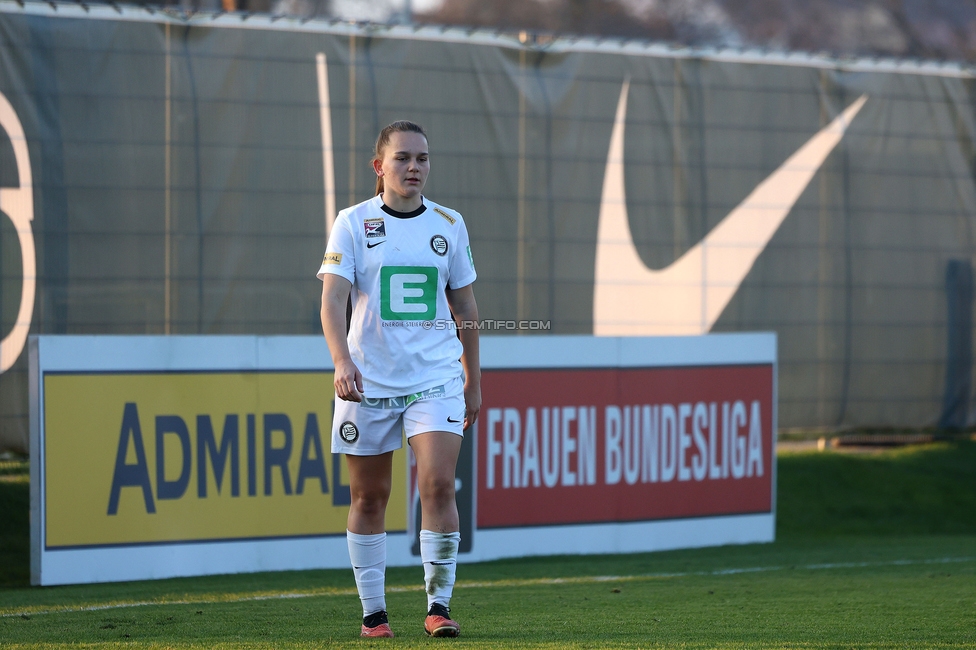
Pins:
x,y
374,243
687,297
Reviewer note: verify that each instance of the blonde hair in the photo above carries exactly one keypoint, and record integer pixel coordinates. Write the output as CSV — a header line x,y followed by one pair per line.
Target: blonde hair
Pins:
x,y
400,126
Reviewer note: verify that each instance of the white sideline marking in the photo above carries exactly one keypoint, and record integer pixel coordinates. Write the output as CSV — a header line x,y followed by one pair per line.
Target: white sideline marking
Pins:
x,y
515,582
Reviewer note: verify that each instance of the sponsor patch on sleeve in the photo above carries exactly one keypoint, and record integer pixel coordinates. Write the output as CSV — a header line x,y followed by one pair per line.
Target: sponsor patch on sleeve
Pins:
x,y
451,220
332,258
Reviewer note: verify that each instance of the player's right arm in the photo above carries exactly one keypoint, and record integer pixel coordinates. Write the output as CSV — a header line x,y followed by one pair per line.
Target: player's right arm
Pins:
x,y
348,379
338,272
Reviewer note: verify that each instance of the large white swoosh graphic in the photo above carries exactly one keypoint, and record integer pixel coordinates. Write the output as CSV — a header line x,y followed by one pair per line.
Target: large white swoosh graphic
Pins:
x,y
688,296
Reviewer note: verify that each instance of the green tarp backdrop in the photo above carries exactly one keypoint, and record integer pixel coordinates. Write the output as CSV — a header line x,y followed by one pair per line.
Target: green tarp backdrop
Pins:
x,y
184,172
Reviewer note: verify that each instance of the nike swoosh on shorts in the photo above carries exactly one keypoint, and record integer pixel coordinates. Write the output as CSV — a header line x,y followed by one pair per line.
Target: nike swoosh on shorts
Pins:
x,y
687,297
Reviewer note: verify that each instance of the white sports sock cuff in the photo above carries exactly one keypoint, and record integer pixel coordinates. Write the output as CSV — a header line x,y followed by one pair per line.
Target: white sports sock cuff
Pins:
x,y
367,553
439,554
433,543
366,550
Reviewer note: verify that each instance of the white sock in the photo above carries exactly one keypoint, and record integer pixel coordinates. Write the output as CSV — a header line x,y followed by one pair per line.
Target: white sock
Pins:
x,y
368,556
439,554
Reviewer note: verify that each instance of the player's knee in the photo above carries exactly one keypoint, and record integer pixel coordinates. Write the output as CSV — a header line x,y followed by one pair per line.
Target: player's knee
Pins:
x,y
439,489
371,502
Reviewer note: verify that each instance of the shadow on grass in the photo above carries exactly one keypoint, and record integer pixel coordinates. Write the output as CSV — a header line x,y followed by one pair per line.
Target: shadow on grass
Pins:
x,y
14,525
928,489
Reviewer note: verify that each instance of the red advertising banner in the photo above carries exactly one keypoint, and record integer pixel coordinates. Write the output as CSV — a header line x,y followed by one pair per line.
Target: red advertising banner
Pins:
x,y
616,445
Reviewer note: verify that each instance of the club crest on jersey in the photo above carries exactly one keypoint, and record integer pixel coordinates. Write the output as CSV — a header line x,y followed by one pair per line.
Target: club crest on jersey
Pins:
x,y
438,244
348,432
375,228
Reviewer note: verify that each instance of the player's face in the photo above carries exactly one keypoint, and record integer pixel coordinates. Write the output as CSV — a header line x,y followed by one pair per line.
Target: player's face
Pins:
x,y
405,164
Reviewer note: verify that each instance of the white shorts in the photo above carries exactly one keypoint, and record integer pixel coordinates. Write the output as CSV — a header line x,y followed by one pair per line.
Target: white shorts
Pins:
x,y
376,426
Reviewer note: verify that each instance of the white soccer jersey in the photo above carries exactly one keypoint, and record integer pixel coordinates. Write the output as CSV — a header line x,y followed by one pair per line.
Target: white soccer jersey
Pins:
x,y
402,336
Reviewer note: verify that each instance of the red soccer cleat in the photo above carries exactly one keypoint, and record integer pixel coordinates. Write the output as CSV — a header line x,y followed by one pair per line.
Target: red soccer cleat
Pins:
x,y
439,622
377,626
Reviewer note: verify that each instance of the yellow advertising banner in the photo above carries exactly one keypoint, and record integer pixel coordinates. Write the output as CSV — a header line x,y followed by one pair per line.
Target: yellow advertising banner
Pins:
x,y
137,458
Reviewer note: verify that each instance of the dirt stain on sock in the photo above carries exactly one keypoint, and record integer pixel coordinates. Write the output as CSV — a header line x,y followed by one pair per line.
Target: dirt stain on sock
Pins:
x,y
445,549
446,555
442,566
441,576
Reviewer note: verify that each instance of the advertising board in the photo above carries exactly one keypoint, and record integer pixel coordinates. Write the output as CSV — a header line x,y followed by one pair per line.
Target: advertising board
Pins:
x,y
616,445
165,456
171,456
583,448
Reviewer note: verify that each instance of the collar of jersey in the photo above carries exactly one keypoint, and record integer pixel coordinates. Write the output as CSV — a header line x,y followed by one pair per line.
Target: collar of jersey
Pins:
x,y
403,215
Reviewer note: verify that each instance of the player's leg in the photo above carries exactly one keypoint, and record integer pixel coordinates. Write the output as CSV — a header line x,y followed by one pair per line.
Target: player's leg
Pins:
x,y
437,454
370,481
367,437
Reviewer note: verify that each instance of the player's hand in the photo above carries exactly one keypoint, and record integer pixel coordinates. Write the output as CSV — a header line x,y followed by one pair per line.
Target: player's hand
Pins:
x,y
348,382
472,403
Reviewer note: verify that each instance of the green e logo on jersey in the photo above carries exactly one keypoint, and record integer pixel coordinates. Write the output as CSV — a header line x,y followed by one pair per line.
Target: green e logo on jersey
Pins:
x,y
408,292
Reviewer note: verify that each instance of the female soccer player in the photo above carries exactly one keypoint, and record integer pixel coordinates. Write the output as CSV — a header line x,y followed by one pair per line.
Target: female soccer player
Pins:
x,y
406,264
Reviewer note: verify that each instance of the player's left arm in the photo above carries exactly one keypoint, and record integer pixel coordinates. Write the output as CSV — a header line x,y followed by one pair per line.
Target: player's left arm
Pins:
x,y
465,311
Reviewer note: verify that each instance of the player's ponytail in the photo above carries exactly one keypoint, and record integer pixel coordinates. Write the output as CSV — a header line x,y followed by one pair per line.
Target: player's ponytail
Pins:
x,y
400,126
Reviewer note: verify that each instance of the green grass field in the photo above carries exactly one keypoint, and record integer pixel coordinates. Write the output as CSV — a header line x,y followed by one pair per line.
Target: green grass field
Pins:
x,y
873,551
